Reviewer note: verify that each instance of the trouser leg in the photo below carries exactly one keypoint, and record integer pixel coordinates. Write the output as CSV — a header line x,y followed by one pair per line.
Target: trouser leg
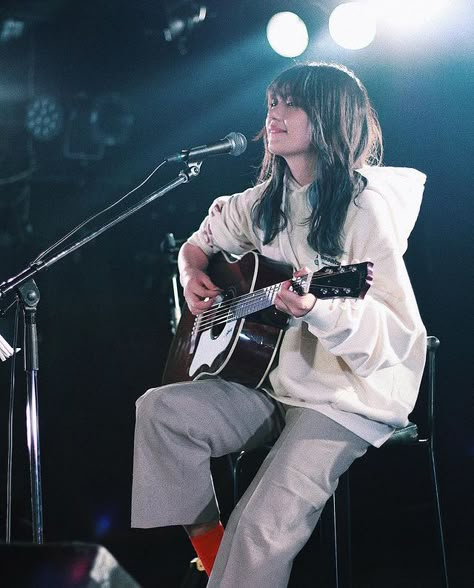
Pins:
x,y
279,511
179,428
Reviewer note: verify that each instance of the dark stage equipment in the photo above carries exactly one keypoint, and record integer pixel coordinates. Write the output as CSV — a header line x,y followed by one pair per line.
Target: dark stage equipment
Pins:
x,y
68,565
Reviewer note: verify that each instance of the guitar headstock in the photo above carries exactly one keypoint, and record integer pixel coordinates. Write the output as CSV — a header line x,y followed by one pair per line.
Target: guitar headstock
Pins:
x,y
344,281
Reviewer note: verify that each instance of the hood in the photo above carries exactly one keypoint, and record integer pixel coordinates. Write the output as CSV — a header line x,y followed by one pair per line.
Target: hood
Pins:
x,y
402,189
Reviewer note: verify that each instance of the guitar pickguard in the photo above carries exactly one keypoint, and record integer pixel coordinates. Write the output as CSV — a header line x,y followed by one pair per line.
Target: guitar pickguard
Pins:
x,y
209,348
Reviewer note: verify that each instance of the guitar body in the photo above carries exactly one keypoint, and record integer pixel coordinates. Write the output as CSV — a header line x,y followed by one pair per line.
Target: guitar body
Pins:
x,y
238,338
241,350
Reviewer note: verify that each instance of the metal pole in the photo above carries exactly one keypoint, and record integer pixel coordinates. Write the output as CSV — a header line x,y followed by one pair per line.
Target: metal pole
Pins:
x,y
34,452
29,298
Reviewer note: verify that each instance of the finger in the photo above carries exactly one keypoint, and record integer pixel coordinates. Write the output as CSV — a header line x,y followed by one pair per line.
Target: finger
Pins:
x,y
201,290
196,296
304,271
295,304
199,306
208,283
288,296
280,305
285,286
202,306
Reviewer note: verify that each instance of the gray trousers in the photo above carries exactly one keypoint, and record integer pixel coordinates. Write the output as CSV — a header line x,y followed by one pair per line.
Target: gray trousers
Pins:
x,y
180,426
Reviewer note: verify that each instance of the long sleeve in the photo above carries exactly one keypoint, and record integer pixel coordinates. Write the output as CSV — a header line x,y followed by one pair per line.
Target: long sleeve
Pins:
x,y
381,330
228,225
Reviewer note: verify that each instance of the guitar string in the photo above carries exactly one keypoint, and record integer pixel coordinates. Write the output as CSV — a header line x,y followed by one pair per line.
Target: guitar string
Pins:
x,y
222,312
224,308
225,317
250,295
219,317
263,291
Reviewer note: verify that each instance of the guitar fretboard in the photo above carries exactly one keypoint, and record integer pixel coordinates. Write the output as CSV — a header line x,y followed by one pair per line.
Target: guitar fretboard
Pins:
x,y
253,302
241,306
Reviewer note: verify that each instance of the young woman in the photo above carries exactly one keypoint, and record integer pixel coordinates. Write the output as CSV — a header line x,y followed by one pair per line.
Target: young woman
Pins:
x,y
348,371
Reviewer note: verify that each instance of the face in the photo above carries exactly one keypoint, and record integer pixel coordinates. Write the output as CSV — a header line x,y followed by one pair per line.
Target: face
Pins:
x,y
288,128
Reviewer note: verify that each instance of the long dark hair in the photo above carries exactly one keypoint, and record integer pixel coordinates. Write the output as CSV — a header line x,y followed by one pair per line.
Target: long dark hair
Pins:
x,y
345,134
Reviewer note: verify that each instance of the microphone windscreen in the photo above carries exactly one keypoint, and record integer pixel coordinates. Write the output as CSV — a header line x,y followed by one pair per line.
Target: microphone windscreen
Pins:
x,y
239,143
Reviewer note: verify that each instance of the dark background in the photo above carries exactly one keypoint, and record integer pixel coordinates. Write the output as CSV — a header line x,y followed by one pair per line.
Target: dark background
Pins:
x,y
103,316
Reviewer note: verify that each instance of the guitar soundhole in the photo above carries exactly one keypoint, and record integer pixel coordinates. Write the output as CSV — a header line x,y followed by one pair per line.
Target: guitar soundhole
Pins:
x,y
223,312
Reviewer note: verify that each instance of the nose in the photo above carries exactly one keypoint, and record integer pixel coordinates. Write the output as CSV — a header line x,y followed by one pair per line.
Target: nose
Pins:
x,y
275,114
276,111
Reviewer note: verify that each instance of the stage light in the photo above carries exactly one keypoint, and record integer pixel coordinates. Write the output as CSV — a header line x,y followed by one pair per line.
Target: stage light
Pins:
x,y
408,14
182,18
181,24
11,29
44,118
287,34
352,25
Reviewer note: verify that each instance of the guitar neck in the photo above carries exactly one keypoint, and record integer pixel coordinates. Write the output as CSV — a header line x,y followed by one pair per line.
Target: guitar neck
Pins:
x,y
261,299
350,281
255,301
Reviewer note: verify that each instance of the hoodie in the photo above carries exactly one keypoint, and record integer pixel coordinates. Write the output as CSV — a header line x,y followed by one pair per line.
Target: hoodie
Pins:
x,y
359,362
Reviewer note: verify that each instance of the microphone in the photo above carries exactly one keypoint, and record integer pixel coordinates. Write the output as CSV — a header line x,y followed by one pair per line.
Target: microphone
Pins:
x,y
232,144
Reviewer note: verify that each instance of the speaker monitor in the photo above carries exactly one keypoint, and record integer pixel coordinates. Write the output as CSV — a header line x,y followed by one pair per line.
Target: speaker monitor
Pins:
x,y
61,565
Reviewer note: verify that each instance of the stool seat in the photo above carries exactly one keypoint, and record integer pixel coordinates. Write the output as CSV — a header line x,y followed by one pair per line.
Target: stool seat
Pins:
x,y
403,436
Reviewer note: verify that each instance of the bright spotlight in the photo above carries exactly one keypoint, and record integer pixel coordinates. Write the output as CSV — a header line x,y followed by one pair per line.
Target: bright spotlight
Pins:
x,y
352,25
409,14
287,34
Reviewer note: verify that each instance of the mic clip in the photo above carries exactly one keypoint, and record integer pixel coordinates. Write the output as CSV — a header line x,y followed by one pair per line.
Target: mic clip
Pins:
x,y
183,156
192,170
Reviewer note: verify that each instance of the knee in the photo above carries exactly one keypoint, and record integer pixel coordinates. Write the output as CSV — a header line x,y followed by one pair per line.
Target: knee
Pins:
x,y
157,406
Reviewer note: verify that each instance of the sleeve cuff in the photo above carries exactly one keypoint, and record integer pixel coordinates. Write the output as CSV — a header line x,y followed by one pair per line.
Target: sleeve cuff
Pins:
x,y
324,315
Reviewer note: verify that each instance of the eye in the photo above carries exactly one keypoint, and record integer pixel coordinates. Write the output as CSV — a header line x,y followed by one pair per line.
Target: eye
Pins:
x,y
272,103
289,102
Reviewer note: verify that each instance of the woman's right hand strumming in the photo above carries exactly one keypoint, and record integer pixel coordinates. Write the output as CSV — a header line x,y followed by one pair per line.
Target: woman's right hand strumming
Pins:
x,y
199,290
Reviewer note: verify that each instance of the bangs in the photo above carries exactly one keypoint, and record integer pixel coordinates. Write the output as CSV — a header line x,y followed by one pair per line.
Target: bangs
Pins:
x,y
291,83
307,83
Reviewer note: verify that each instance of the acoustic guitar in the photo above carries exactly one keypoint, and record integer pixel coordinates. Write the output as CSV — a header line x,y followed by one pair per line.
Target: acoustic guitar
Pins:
x,y
238,338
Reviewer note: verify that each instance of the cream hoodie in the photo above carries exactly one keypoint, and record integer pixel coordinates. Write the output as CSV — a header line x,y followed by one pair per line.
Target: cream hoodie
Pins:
x,y
359,362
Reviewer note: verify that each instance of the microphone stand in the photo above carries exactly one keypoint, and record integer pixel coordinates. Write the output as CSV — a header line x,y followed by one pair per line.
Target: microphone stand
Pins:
x,y
26,290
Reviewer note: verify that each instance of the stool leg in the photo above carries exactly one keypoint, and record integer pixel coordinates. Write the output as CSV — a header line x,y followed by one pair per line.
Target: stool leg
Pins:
x,y
335,542
340,535
234,465
434,480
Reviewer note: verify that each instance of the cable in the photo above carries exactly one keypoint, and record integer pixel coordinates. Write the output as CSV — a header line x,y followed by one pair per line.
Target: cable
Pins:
x,y
10,428
87,221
